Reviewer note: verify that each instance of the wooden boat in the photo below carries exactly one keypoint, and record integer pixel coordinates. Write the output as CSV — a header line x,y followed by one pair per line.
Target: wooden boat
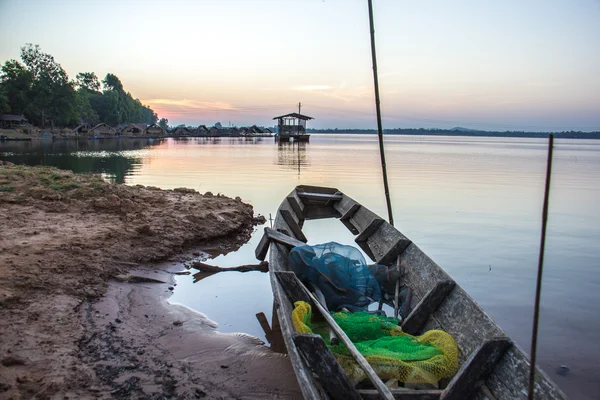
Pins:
x,y
491,365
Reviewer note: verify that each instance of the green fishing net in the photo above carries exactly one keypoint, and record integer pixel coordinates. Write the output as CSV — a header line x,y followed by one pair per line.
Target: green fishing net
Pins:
x,y
392,353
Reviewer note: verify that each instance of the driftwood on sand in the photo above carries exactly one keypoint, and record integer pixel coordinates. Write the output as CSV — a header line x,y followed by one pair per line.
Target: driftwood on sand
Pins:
x,y
208,270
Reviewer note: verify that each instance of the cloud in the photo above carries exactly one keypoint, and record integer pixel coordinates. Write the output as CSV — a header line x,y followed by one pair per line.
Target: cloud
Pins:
x,y
311,88
185,106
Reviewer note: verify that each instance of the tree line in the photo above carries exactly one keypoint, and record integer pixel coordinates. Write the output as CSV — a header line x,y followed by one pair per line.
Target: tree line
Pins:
x,y
460,132
40,89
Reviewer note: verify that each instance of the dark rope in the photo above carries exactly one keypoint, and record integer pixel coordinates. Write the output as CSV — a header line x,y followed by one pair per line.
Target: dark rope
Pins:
x,y
377,105
538,289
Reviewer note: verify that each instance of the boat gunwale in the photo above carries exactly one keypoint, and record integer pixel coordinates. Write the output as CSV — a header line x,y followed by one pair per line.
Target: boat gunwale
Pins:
x,y
499,381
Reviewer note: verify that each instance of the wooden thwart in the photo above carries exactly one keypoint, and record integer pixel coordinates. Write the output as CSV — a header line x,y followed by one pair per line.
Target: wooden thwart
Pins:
x,y
337,384
477,367
426,307
272,234
320,196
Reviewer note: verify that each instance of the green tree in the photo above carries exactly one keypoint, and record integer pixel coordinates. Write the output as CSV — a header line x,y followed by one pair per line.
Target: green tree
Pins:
x,y
111,82
88,81
164,123
85,110
15,83
52,92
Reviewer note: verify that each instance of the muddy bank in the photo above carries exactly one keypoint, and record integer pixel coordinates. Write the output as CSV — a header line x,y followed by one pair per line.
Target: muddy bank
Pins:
x,y
63,238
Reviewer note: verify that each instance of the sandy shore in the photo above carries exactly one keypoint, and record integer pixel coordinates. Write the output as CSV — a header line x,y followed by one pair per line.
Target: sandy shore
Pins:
x,y
73,325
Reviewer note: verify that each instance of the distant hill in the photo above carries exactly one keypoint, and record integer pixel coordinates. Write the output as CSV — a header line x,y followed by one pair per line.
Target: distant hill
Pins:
x,y
461,129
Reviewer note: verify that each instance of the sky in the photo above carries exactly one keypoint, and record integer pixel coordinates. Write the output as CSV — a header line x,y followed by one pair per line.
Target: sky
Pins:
x,y
496,65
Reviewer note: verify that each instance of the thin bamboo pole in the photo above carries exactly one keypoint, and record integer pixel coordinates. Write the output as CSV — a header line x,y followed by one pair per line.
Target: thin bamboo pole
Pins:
x,y
378,108
538,289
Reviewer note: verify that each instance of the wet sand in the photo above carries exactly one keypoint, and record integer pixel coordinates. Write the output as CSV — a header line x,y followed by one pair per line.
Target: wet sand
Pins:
x,y
73,325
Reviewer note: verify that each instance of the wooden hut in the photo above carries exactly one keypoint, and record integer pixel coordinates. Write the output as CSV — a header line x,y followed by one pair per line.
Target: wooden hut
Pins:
x,y
256,130
102,129
134,129
182,131
214,131
155,130
81,129
202,130
292,126
12,121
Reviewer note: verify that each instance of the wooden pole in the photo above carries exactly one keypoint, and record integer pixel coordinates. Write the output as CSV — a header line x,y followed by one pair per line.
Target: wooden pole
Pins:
x,y
538,289
378,108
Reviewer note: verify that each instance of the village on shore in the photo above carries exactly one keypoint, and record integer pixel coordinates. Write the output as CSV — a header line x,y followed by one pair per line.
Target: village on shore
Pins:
x,y
16,127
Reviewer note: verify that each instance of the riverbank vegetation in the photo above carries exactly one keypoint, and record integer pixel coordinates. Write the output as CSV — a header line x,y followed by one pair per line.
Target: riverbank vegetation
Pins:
x,y
38,88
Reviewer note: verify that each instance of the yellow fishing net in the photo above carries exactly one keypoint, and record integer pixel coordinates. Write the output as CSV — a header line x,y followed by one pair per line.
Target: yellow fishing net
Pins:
x,y
392,353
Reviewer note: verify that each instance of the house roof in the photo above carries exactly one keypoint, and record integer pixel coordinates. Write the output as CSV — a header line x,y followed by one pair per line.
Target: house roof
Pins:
x,y
102,124
13,117
295,115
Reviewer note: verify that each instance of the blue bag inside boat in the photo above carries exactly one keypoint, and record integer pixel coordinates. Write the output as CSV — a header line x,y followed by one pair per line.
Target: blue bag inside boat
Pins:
x,y
339,271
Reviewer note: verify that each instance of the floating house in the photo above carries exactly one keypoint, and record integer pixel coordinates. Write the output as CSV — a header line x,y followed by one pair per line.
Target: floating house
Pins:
x,y
202,130
182,131
102,129
132,129
155,130
13,121
81,129
214,131
292,126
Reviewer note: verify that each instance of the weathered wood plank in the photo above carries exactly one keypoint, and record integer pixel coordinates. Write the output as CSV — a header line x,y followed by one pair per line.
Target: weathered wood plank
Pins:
x,y
345,204
296,204
291,287
294,224
468,324
331,375
422,273
262,248
369,229
383,390
349,226
320,196
510,378
347,208
279,237
362,218
387,243
403,394
365,247
320,212
477,367
426,307
310,388
316,189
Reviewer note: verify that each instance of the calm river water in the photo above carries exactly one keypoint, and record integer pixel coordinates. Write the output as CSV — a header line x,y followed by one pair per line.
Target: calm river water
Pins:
x,y
472,204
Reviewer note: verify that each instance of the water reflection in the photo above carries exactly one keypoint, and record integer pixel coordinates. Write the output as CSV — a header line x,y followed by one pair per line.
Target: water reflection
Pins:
x,y
111,158
292,155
